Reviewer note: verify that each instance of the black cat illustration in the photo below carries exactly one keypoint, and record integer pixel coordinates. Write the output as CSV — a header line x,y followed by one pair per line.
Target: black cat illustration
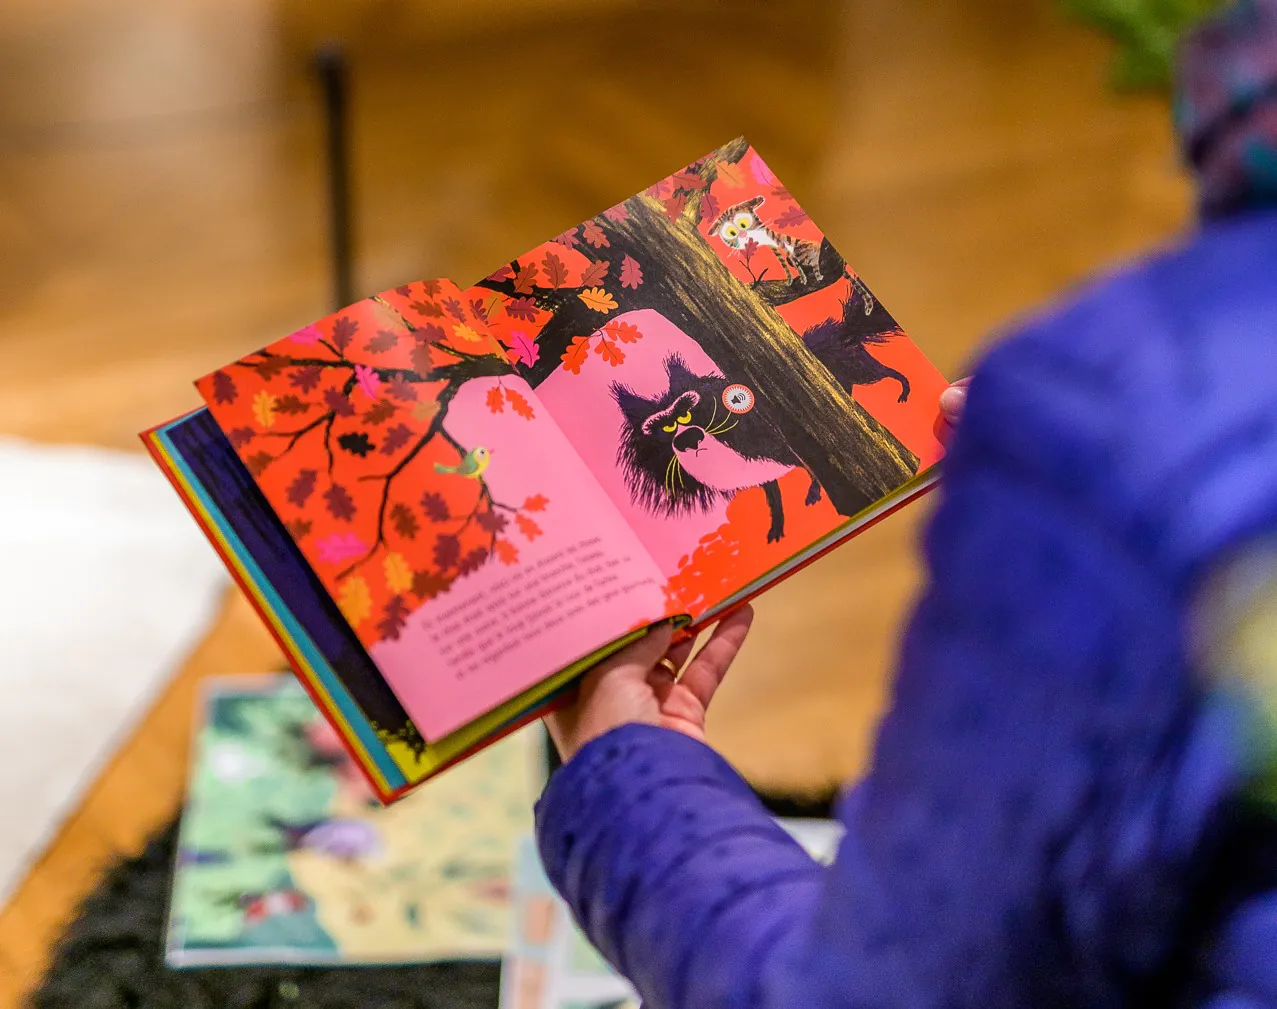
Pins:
x,y
842,345
701,441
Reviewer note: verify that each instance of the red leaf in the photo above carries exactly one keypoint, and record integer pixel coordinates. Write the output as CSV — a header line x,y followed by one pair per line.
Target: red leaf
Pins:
x,y
258,462
521,308
505,273
526,526
568,238
380,412
794,215
306,378
594,273
536,503
401,388
631,272
747,253
430,333
555,272
576,354
269,367
491,521
520,405
431,287
625,332
396,438
472,561
404,521
595,235
455,310
240,436
525,279
302,487
403,290
609,351
393,618
339,403
495,403
447,551
224,390
478,309
617,213
426,308
507,552
427,584
523,349
659,189
709,206
384,340
298,529
674,205
422,361
340,504
435,507
291,405
686,179
344,329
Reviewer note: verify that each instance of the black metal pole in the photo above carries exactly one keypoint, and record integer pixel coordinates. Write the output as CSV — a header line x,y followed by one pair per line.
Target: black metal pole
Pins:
x,y
334,82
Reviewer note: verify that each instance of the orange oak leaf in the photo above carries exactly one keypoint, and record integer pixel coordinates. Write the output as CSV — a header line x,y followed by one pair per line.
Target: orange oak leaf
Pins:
x,y
536,503
519,405
507,552
495,403
466,333
398,573
576,354
526,526
355,600
264,409
597,299
609,351
625,332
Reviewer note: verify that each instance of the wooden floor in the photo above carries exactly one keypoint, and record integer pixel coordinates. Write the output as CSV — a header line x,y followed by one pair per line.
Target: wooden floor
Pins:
x,y
161,212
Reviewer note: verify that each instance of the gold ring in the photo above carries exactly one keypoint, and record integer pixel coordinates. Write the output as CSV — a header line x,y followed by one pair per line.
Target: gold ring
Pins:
x,y
669,667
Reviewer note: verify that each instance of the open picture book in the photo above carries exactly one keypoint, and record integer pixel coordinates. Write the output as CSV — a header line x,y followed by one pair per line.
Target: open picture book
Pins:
x,y
449,502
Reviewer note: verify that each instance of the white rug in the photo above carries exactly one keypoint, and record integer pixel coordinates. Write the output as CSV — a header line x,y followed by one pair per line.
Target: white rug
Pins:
x,y
106,584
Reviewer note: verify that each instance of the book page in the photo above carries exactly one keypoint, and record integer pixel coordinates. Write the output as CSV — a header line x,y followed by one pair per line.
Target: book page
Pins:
x,y
438,502
735,387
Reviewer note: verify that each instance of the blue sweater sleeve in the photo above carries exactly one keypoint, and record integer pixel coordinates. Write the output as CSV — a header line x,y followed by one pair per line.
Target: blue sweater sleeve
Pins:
x,y
1043,792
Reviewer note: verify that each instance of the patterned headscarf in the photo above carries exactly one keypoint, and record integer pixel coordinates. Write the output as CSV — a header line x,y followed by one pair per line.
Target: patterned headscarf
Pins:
x,y
1226,107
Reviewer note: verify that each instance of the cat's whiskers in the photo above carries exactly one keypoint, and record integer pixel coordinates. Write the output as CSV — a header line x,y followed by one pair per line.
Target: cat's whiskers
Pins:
x,y
669,475
727,425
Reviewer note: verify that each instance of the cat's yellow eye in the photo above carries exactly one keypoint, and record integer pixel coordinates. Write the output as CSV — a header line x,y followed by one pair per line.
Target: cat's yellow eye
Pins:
x,y
729,232
742,222
670,428
686,418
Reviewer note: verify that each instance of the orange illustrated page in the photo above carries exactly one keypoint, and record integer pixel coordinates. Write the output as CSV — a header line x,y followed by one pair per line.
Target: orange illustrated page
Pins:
x,y
437,499
735,388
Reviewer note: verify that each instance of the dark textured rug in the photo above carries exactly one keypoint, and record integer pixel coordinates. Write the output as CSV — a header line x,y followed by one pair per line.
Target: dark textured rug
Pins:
x,y
112,956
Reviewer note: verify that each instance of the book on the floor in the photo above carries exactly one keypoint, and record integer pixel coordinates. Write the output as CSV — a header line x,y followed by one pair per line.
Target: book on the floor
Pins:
x,y
551,965
285,855
448,502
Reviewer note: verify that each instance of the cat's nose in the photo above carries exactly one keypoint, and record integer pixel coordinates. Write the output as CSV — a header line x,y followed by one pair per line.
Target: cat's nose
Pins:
x,y
688,439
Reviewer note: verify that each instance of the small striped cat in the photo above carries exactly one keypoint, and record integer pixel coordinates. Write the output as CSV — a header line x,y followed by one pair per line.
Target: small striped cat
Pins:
x,y
738,225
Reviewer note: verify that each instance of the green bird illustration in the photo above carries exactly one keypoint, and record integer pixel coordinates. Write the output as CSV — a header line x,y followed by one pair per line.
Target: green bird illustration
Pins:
x,y
472,466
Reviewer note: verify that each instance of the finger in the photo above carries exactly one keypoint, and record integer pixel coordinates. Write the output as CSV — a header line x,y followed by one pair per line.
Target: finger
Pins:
x,y
639,657
679,653
706,671
954,400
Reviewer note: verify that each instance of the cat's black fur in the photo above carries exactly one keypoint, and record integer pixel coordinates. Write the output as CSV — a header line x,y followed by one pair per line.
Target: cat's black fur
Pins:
x,y
842,345
644,455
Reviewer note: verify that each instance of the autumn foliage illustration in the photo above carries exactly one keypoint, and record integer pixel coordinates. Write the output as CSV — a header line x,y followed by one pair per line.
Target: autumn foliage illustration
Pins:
x,y
344,425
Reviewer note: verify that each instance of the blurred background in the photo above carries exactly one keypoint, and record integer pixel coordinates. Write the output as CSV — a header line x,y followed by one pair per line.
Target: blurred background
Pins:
x,y
163,210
